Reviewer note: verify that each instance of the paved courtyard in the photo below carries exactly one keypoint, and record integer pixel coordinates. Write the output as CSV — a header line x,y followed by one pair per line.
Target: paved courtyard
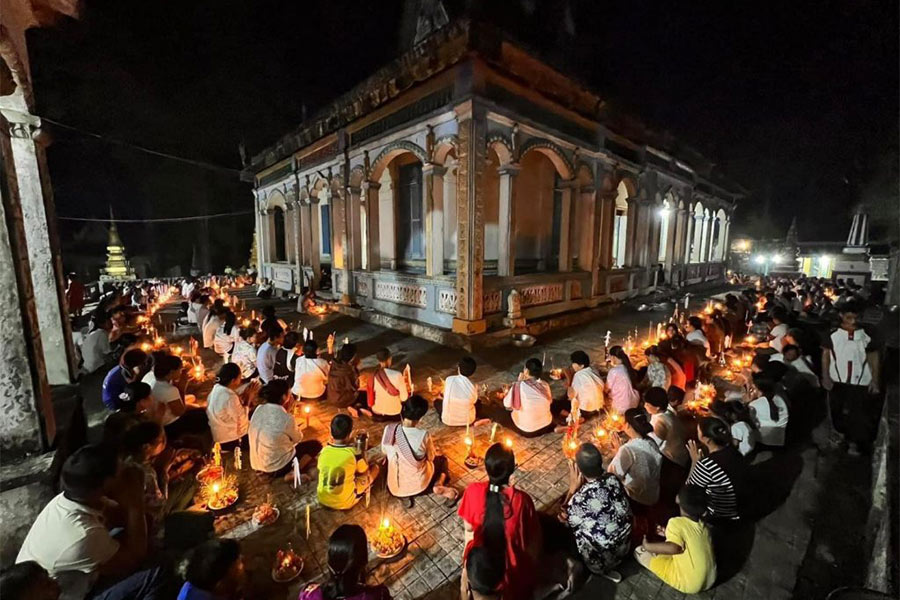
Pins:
x,y
762,561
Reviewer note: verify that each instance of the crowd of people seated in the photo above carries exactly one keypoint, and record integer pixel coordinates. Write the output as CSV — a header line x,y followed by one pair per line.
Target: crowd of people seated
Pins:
x,y
660,491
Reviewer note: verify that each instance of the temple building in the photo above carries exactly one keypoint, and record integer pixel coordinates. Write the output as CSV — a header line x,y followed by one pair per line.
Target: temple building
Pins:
x,y
468,187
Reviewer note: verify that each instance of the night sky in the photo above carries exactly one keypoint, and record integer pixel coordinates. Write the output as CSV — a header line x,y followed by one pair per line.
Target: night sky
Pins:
x,y
797,101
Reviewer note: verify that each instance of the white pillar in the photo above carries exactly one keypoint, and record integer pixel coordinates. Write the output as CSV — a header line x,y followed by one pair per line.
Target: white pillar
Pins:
x,y
506,257
46,271
433,190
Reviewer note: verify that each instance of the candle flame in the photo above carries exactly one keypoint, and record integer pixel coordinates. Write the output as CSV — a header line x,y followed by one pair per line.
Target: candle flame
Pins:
x,y
385,523
508,442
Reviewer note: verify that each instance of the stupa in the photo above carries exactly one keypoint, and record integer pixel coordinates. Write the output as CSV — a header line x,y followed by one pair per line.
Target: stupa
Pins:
x,y
117,266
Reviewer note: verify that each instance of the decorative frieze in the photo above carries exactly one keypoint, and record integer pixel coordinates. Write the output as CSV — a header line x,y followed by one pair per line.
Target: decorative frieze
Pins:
x,y
493,302
401,293
362,287
447,301
535,295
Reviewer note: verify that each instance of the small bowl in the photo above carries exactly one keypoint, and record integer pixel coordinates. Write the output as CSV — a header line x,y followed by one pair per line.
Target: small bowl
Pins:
x,y
523,340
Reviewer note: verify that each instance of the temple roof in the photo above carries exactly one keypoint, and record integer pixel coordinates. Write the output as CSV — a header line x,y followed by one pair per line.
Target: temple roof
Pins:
x,y
457,42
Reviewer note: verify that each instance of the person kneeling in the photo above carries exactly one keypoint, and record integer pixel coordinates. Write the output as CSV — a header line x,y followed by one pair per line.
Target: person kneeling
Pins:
x,y
685,560
344,476
413,467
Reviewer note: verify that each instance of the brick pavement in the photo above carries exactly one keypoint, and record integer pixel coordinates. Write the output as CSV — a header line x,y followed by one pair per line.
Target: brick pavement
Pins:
x,y
430,566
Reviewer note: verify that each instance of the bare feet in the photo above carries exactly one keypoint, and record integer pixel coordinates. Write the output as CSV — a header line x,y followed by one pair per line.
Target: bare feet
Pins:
x,y
366,412
450,494
481,422
353,412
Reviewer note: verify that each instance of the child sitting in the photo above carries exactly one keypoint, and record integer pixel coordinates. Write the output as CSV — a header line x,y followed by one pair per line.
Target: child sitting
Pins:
x,y
412,464
685,560
386,389
344,476
459,405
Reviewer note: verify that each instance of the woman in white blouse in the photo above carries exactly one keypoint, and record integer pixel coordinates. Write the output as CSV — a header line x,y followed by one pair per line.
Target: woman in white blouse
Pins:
x,y
638,462
226,336
619,382
770,411
413,465
228,411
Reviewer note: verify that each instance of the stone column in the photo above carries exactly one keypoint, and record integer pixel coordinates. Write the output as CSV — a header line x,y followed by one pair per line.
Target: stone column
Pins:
x,y
315,240
631,229
506,259
370,226
433,192
565,231
607,228
292,230
43,255
354,231
725,242
294,198
25,397
595,228
257,215
472,151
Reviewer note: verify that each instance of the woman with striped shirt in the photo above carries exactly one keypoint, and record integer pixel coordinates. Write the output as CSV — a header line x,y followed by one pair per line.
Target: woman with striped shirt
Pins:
x,y
722,472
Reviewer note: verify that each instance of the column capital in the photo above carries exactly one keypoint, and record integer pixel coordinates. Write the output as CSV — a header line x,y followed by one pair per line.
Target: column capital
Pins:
x,y
512,169
433,169
370,185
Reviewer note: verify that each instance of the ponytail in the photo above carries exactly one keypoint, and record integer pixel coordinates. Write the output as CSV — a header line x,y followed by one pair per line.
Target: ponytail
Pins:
x,y
499,462
347,557
620,353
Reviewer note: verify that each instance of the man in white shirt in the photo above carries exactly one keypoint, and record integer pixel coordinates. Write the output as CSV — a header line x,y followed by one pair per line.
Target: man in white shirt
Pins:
x,y
850,371
274,436
265,357
459,405
95,349
586,388
529,401
70,537
310,373
387,389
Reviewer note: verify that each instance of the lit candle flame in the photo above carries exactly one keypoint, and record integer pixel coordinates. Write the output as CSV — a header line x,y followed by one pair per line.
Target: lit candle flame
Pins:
x,y
385,523
508,442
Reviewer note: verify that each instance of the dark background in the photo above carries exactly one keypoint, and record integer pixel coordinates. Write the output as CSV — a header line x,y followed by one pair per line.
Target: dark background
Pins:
x,y
797,101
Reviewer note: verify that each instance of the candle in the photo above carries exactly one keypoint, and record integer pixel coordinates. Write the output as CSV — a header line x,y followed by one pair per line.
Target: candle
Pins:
x,y
217,454
650,331
307,409
493,432
307,521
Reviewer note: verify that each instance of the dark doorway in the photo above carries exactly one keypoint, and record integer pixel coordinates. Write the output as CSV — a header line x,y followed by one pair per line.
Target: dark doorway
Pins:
x,y
410,232
280,255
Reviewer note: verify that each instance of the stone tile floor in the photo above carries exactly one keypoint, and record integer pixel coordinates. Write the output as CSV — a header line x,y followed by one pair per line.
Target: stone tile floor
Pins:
x,y
430,566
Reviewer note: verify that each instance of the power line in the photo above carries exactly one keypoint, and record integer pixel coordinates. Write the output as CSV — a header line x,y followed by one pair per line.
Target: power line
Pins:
x,y
165,220
189,161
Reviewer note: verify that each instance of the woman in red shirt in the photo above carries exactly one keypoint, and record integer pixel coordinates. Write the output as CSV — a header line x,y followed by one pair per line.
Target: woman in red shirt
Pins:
x,y
504,521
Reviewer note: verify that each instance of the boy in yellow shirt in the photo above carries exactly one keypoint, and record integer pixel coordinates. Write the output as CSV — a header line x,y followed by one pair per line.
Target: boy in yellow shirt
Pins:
x,y
344,477
685,560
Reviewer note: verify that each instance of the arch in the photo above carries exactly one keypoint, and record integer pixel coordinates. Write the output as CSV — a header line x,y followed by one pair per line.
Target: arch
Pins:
x,y
275,198
392,151
631,188
443,148
552,151
501,145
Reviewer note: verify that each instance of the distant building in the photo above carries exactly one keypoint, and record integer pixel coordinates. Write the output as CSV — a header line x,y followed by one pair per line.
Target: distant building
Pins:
x,y
468,168
117,266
